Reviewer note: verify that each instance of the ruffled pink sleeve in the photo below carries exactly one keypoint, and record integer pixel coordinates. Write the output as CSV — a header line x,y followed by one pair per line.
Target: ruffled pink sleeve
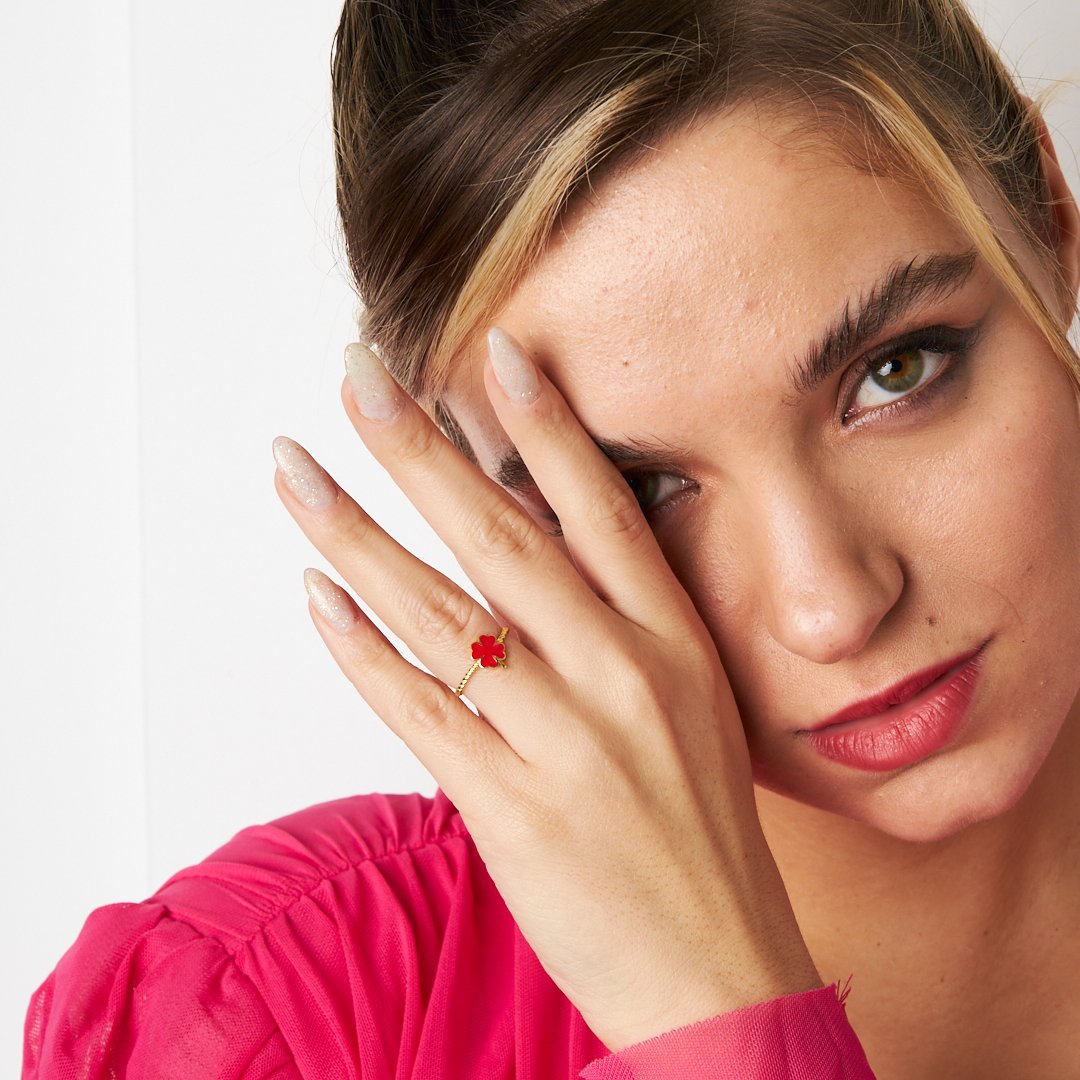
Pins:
x,y
140,995
797,1037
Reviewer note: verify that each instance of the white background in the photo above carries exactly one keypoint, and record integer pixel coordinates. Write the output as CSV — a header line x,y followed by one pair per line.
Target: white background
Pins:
x,y
172,296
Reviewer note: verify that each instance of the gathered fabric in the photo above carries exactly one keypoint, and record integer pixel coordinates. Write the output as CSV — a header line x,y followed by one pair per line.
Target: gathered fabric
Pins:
x,y
362,939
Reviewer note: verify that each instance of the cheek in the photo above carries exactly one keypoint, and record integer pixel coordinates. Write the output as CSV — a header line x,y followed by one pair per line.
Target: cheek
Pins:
x,y
1000,511
1016,539
705,553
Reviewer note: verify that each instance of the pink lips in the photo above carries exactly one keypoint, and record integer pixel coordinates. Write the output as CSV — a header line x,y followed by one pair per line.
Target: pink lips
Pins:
x,y
905,723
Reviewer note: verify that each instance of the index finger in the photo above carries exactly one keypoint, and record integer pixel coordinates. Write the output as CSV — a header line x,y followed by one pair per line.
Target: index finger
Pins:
x,y
602,522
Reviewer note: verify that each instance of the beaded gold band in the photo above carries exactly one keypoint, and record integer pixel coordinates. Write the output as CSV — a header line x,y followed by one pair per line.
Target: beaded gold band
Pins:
x,y
489,651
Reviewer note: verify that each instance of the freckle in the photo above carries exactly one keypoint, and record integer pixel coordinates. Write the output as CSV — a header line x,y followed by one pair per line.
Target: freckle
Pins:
x,y
930,620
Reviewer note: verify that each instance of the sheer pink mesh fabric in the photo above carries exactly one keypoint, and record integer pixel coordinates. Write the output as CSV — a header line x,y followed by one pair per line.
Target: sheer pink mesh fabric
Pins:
x,y
363,938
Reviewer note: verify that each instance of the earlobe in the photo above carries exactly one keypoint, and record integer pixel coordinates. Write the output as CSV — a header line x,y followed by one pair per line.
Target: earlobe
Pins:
x,y
1065,234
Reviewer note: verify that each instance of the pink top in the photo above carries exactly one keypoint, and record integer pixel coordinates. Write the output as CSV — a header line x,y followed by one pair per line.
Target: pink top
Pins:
x,y
363,938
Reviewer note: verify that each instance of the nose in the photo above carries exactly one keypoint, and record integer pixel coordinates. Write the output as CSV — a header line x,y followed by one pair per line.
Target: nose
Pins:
x,y
825,581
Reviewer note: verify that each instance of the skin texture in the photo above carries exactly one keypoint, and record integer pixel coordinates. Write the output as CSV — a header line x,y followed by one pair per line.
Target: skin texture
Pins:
x,y
828,559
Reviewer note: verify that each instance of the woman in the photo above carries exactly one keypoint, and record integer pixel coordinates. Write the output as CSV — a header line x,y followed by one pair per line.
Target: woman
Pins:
x,y
748,325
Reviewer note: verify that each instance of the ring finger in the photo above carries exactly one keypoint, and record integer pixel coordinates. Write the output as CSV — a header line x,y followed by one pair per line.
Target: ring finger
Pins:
x,y
468,758
436,618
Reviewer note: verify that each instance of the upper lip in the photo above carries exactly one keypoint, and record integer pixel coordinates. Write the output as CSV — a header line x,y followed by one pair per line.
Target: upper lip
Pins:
x,y
900,691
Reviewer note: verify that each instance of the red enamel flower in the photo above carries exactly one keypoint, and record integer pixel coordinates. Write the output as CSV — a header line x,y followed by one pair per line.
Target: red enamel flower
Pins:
x,y
488,651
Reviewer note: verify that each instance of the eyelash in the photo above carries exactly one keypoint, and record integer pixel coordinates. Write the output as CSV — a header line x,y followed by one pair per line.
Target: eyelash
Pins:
x,y
953,345
651,513
671,500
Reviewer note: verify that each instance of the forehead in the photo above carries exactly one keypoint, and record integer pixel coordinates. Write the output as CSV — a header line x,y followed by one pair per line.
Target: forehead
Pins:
x,y
728,245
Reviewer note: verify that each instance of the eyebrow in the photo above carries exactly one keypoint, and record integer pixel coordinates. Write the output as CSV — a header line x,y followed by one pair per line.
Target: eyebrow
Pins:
x,y
901,288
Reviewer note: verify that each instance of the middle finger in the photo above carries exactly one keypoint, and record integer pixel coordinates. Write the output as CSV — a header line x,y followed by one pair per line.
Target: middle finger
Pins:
x,y
517,568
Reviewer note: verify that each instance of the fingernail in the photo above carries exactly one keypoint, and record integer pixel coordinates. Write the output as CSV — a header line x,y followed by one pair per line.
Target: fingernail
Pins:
x,y
330,602
305,477
377,396
512,367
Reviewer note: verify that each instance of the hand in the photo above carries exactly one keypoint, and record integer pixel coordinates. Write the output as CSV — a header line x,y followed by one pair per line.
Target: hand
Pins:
x,y
606,780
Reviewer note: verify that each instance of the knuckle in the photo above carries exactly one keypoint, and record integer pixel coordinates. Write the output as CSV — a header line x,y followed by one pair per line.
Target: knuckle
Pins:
x,y
615,512
427,710
352,528
443,614
507,536
416,444
369,652
645,682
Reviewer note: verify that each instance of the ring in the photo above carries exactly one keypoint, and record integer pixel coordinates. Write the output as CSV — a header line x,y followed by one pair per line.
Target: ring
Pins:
x,y
489,651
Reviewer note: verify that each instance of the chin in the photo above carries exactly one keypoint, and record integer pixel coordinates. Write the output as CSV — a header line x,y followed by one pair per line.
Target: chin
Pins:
x,y
947,795
931,801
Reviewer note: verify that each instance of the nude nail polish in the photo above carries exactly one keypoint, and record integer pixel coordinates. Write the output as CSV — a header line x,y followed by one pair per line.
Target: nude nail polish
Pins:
x,y
305,477
512,367
329,600
377,396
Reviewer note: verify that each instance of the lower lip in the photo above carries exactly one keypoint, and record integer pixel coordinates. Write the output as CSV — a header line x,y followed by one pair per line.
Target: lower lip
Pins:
x,y
905,733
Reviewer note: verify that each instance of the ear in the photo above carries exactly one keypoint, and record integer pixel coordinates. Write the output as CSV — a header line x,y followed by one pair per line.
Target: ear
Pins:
x,y
1065,219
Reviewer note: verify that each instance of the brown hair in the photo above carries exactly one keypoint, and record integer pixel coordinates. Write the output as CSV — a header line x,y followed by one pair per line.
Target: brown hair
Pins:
x,y
464,129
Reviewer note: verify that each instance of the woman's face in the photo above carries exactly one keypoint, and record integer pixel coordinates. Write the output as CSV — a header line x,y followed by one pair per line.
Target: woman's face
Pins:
x,y
838,537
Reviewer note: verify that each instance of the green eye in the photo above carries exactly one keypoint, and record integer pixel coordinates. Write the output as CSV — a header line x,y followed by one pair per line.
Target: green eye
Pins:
x,y
897,375
902,373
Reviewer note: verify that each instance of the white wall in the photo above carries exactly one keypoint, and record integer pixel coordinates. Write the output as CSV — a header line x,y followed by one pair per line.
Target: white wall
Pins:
x,y
170,300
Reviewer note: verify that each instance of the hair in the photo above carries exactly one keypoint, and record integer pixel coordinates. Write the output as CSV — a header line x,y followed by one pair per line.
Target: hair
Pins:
x,y
464,130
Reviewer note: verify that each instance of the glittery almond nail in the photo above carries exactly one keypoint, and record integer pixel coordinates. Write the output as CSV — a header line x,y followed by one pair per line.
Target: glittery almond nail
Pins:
x,y
306,478
377,396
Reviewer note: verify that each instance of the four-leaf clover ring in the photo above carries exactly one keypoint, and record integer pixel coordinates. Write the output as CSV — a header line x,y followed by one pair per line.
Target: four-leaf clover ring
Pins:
x,y
489,651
